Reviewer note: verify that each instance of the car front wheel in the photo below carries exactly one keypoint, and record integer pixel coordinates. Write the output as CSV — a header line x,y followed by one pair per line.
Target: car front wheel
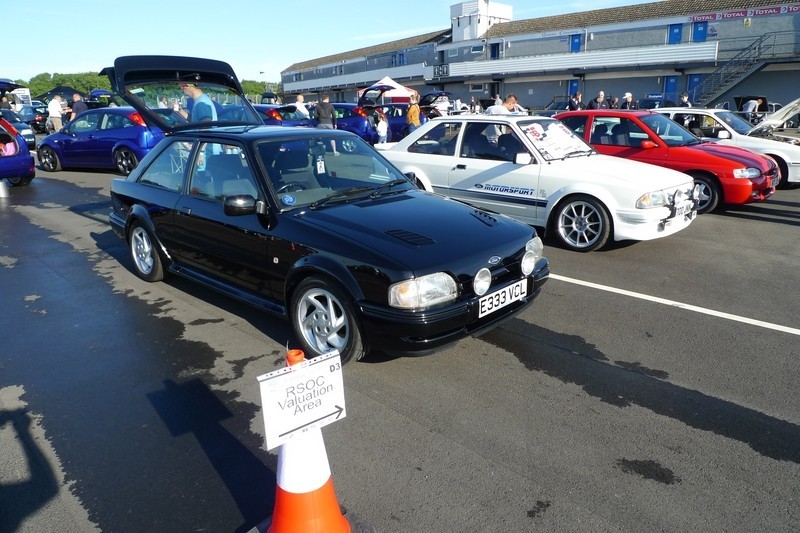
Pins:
x,y
146,259
324,320
48,159
125,160
19,181
710,193
582,224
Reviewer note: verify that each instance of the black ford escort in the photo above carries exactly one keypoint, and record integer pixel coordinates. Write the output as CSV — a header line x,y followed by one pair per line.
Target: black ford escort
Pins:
x,y
339,242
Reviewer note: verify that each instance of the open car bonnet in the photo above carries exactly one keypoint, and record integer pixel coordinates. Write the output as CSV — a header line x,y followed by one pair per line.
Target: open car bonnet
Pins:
x,y
165,90
776,119
8,85
372,93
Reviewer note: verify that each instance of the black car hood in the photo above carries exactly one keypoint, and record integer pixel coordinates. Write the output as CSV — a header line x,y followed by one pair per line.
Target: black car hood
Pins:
x,y
8,85
422,229
130,73
431,97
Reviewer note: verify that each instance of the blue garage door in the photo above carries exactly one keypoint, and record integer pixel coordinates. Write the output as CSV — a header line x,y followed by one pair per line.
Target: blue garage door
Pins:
x,y
675,34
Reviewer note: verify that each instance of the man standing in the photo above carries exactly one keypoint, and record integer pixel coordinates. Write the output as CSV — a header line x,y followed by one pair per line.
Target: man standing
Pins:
x,y
505,108
54,113
299,103
685,101
576,102
203,109
599,102
627,102
325,114
751,108
78,106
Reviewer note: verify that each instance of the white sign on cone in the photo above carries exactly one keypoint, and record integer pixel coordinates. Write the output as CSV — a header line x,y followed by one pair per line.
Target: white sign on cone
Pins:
x,y
300,397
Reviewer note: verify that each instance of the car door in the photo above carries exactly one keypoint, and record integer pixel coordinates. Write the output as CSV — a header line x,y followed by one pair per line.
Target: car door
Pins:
x,y
114,128
624,137
224,247
484,172
79,142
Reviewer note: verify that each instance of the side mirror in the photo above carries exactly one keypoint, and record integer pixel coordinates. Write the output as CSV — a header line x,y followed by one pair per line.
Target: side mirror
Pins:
x,y
523,158
723,134
240,204
647,145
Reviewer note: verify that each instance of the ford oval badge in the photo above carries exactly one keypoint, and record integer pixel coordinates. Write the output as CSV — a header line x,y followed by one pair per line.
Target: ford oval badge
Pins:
x,y
494,260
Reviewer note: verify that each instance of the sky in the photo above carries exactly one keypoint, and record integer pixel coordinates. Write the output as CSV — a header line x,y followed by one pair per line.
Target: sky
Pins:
x,y
259,38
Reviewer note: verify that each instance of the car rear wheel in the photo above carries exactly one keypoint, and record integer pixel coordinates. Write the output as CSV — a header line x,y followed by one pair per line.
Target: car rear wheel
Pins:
x,y
582,224
125,160
710,193
324,320
146,259
48,159
19,181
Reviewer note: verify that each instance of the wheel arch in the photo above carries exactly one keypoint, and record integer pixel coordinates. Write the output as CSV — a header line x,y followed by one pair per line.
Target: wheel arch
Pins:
x,y
701,173
325,267
608,203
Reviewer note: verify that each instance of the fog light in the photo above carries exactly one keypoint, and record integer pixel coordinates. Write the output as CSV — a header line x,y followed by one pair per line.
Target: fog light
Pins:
x,y
482,281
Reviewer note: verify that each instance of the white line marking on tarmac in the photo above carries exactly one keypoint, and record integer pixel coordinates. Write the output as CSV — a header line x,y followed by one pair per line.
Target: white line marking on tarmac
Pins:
x,y
673,303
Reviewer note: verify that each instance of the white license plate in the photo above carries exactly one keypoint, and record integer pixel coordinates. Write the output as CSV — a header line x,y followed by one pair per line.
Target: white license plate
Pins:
x,y
505,296
775,181
682,210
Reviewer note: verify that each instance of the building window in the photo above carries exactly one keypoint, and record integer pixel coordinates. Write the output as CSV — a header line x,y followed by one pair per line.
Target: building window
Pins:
x,y
476,87
453,52
477,49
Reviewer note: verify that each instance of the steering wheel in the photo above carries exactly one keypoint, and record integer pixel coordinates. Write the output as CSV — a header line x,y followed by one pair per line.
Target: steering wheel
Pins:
x,y
292,186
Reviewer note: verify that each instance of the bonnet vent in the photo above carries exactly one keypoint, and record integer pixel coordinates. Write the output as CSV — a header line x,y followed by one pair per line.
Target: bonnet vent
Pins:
x,y
414,239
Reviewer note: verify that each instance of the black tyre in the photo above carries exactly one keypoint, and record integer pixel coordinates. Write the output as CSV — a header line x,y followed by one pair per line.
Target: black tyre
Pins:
x,y
125,160
582,224
48,159
710,193
146,259
323,320
19,181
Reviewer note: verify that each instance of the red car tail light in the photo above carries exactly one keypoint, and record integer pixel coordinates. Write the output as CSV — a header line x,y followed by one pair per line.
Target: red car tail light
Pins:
x,y
273,114
7,125
360,111
137,119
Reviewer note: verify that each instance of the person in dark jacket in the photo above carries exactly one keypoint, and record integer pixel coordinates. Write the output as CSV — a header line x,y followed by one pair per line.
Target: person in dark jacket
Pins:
x,y
628,102
600,102
326,117
576,102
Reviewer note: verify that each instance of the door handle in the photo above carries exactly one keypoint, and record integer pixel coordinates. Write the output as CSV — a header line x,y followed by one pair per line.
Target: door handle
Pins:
x,y
461,166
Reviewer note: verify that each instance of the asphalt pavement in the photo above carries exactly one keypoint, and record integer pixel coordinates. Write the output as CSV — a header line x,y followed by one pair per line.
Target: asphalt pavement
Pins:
x,y
652,387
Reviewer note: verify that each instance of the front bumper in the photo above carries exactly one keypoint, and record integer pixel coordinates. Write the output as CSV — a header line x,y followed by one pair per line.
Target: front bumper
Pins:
x,y
399,332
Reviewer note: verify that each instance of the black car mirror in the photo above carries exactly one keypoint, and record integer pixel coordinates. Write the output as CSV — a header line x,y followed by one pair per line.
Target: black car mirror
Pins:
x,y
240,204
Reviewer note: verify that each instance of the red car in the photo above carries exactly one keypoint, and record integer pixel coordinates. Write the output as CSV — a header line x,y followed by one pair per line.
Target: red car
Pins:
x,y
726,174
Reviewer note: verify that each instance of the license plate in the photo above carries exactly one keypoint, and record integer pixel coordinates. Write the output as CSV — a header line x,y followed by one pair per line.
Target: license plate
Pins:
x,y
505,296
682,210
775,181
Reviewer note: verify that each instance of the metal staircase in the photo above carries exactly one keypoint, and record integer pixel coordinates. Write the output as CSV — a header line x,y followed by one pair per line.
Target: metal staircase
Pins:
x,y
749,60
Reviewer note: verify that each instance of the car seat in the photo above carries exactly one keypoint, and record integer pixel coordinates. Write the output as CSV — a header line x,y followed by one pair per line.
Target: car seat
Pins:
x,y
509,146
619,135
600,135
694,127
226,169
476,145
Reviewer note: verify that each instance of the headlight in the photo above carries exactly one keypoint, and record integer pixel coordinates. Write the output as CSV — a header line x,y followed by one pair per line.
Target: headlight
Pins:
x,y
27,131
423,292
534,249
748,172
482,281
652,199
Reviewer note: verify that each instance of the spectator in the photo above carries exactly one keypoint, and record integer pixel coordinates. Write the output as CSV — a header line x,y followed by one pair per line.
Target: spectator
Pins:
x,y
474,107
162,102
299,103
751,108
203,109
505,108
628,102
685,101
54,112
382,128
576,102
412,114
4,104
614,103
600,102
78,106
326,117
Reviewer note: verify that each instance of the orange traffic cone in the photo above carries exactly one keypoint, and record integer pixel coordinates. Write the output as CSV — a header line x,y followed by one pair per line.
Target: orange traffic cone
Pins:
x,y
305,501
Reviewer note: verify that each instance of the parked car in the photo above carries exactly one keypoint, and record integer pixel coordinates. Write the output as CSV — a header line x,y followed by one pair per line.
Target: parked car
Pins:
x,y
16,160
654,103
21,126
282,115
556,105
108,137
725,174
395,114
347,248
35,117
536,170
727,127
355,119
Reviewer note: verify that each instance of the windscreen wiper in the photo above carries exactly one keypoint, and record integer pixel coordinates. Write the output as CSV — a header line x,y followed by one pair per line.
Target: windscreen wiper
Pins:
x,y
339,196
384,188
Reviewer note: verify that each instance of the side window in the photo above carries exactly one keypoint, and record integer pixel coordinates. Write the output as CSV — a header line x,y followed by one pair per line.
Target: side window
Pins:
x,y
480,140
620,133
113,121
576,124
441,140
509,146
168,169
221,171
86,123
601,131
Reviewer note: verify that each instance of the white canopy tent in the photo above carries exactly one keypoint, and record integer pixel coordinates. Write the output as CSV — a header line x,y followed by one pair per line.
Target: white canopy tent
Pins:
x,y
399,91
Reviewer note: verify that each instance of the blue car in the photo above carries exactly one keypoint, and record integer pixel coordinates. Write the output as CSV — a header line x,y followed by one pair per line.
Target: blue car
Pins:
x,y
108,137
355,119
16,160
282,115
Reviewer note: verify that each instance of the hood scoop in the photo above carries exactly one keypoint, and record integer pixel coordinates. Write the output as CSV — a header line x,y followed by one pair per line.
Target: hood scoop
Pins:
x,y
409,237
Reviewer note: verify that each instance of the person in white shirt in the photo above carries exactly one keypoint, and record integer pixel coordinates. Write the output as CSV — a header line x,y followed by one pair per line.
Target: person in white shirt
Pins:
x,y
54,111
301,106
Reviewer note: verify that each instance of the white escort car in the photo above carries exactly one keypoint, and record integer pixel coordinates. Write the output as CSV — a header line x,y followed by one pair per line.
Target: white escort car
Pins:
x,y
767,137
536,170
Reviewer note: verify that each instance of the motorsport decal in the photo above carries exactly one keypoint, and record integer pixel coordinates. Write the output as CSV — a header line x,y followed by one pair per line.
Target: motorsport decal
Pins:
x,y
507,189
